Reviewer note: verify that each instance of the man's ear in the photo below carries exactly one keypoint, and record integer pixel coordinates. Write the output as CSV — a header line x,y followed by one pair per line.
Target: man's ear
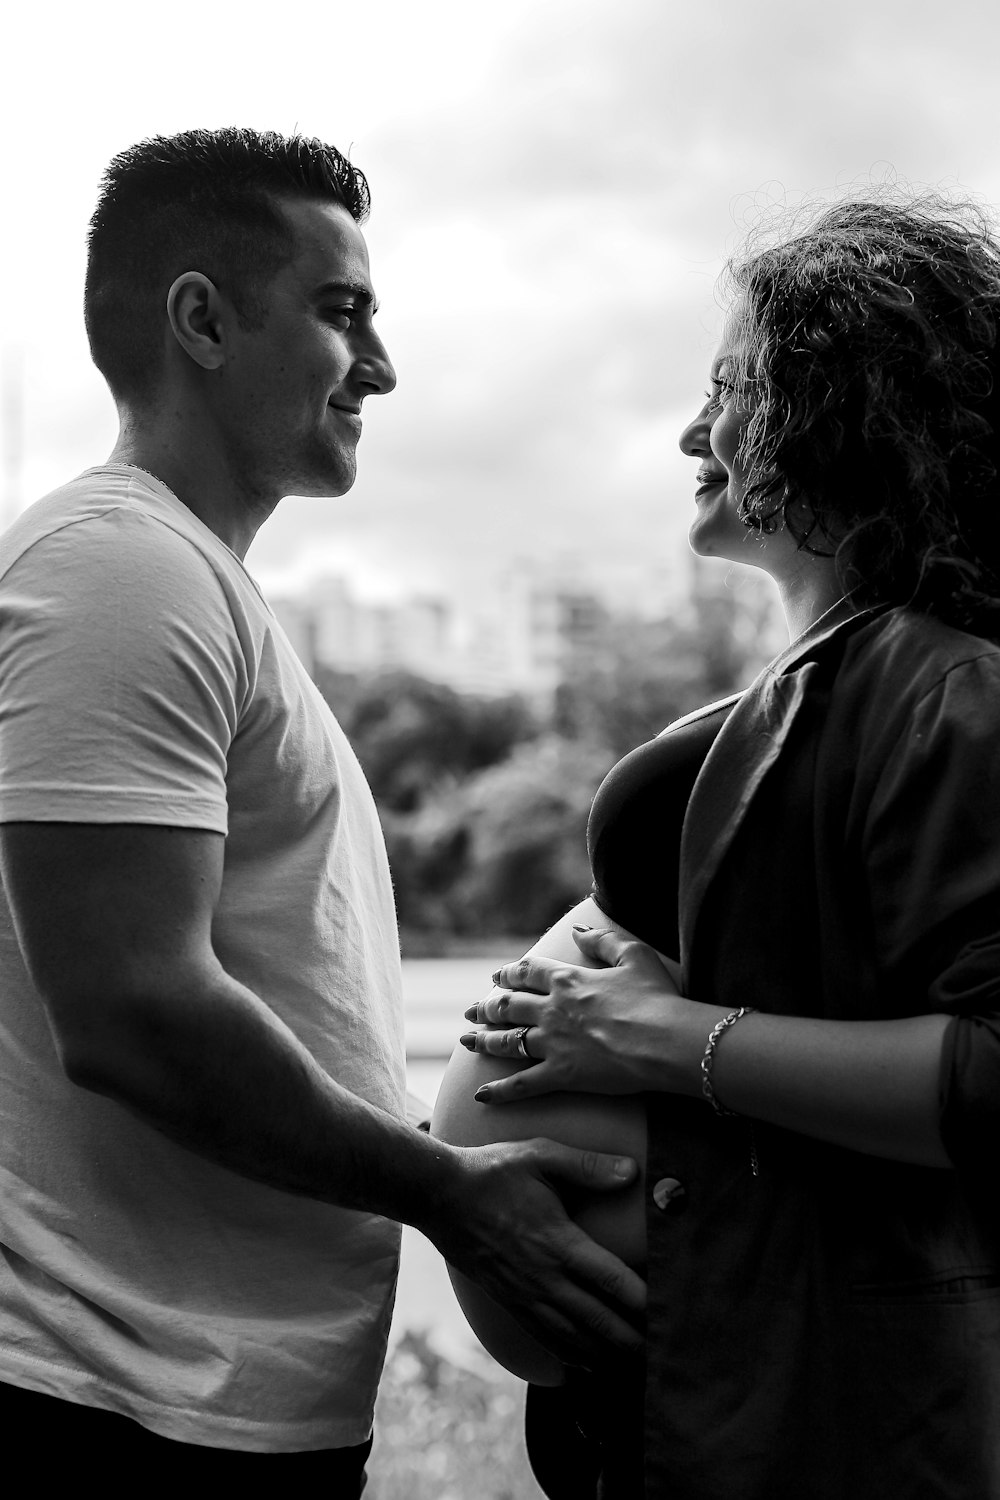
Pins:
x,y
197,317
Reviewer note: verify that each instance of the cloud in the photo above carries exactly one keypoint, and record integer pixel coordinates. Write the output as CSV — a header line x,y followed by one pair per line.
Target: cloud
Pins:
x,y
555,187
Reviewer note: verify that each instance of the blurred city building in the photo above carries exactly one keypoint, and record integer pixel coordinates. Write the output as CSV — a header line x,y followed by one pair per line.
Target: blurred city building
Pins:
x,y
533,629
520,640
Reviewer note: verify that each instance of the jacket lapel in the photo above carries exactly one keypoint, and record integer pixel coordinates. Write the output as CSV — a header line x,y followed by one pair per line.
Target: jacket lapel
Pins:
x,y
746,748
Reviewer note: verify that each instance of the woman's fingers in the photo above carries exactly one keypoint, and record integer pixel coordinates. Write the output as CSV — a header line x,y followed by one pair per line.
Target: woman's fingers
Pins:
x,y
532,974
526,1083
614,949
601,943
504,1009
517,1043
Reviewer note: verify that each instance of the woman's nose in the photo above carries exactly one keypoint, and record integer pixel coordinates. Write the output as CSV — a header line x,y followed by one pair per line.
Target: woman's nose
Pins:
x,y
693,440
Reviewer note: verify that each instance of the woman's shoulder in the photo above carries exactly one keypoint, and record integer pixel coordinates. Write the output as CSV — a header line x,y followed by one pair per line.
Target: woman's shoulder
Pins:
x,y
914,652
910,676
704,721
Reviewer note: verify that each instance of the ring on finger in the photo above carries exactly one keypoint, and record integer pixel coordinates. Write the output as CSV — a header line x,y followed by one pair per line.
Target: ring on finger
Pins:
x,y
521,1044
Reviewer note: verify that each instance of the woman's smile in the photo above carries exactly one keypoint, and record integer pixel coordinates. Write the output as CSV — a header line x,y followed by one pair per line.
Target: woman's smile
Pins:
x,y
709,479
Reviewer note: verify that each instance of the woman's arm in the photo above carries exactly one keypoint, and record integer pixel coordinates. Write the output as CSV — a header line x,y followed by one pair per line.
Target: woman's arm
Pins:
x,y
872,1086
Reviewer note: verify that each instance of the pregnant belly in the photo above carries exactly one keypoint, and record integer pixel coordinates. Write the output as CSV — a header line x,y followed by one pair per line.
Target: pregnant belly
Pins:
x,y
596,1122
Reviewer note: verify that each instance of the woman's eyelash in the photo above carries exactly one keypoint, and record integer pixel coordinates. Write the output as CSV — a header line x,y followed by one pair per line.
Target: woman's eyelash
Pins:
x,y
722,387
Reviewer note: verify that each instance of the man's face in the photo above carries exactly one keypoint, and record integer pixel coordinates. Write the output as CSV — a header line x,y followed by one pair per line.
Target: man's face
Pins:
x,y
293,389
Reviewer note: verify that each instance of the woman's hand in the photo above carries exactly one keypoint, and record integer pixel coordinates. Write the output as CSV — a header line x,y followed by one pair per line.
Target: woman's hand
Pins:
x,y
612,1030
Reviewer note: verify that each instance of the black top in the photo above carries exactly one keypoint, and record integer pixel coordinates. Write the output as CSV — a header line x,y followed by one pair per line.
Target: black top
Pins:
x,y
634,832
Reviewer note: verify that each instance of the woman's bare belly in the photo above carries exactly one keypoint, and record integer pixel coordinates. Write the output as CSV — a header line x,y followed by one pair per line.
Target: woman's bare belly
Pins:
x,y
596,1122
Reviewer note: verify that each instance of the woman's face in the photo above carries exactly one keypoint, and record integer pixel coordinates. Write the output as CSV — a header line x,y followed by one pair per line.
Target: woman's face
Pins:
x,y
713,438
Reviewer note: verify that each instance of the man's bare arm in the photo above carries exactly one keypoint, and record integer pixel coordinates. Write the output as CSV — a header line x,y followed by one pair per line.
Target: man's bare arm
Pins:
x,y
115,924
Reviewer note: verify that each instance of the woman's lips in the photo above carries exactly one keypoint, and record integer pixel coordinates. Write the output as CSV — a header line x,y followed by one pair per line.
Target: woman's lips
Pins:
x,y
708,482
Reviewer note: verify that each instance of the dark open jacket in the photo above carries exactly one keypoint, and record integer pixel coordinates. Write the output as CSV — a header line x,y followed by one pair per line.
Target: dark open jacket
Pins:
x,y
830,1329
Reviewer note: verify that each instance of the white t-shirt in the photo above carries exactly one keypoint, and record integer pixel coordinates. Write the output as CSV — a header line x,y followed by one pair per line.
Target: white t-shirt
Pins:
x,y
144,680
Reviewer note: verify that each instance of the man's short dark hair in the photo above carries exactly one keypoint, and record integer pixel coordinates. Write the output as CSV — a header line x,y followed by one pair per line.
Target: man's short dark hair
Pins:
x,y
204,200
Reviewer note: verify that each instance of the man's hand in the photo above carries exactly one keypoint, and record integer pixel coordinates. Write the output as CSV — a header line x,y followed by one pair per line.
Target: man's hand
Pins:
x,y
503,1224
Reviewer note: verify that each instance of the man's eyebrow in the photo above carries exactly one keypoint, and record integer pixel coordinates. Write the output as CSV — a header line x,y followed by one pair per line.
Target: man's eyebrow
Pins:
x,y
355,289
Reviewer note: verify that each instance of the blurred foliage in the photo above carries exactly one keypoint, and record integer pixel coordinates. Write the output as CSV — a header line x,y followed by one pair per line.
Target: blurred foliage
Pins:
x,y
642,674
447,1433
504,850
410,734
484,801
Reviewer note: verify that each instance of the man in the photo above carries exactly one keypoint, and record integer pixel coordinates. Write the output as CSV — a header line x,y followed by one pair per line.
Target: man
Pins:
x,y
201,1136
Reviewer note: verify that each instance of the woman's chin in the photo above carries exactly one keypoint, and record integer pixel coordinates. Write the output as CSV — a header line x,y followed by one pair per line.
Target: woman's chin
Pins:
x,y
595,1122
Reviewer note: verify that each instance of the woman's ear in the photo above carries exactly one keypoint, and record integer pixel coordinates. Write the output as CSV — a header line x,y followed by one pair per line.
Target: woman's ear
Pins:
x,y
196,314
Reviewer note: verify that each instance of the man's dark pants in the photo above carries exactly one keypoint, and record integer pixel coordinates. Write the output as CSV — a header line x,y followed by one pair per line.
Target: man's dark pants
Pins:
x,y
56,1439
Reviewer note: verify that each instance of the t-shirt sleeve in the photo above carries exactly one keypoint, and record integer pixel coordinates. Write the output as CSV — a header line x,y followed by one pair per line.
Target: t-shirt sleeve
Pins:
x,y
934,872
121,678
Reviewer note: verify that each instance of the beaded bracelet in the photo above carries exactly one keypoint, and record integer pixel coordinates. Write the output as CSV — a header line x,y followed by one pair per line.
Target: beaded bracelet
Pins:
x,y
708,1060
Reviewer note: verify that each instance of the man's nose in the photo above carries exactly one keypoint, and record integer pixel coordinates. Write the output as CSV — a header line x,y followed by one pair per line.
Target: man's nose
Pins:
x,y
377,370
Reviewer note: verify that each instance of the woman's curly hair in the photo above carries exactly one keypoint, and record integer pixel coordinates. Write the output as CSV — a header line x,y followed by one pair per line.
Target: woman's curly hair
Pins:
x,y
865,353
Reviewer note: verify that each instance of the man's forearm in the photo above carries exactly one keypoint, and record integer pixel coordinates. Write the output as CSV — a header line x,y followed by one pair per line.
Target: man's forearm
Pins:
x,y
219,1073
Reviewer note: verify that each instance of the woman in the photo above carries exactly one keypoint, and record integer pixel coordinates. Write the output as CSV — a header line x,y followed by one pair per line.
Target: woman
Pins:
x,y
823,1081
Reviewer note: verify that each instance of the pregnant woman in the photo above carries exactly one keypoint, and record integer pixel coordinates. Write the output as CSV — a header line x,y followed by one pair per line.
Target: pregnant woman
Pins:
x,y
819,1079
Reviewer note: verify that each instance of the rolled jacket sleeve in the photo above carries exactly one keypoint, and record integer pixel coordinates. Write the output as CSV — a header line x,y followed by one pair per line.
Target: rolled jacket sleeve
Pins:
x,y
933,859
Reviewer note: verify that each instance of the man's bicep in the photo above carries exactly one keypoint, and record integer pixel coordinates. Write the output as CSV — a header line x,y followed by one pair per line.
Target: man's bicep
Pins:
x,y
104,912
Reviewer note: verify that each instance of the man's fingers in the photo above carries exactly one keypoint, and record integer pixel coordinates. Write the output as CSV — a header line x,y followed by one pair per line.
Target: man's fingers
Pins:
x,y
589,1169
564,1288
581,1330
608,1282
596,1304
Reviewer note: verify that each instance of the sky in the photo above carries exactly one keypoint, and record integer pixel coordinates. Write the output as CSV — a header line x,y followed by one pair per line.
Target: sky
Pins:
x,y
555,184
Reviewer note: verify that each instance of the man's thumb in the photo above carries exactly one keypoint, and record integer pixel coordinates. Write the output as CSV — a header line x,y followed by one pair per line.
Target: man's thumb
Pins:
x,y
598,1170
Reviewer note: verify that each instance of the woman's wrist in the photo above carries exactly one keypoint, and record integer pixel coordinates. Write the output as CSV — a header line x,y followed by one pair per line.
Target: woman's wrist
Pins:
x,y
677,1065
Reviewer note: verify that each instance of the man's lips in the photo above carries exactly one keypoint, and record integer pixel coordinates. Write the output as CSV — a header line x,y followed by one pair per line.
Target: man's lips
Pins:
x,y
352,413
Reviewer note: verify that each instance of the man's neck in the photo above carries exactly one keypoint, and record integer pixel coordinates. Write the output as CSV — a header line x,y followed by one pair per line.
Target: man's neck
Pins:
x,y
200,479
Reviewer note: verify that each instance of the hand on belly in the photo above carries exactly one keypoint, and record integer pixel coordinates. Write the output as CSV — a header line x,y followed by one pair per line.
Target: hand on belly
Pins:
x,y
596,1122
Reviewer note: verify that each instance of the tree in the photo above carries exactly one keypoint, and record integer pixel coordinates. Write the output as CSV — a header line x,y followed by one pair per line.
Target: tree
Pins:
x,y
411,734
639,674
505,850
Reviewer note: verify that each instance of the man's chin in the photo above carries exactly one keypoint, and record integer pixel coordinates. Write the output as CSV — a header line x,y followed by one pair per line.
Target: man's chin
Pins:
x,y
323,486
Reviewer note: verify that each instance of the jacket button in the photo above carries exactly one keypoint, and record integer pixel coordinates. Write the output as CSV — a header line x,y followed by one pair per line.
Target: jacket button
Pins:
x,y
667,1191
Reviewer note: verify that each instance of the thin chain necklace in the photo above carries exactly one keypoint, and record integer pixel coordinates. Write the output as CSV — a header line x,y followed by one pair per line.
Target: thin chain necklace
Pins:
x,y
820,618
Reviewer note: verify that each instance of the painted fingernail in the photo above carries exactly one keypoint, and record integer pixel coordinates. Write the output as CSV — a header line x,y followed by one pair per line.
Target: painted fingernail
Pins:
x,y
472,1014
468,1039
579,927
482,1095
496,977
